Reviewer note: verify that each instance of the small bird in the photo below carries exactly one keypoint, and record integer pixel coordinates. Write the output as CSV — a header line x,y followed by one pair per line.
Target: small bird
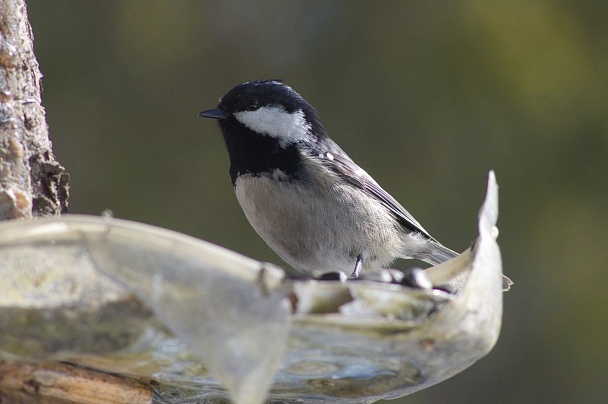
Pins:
x,y
316,208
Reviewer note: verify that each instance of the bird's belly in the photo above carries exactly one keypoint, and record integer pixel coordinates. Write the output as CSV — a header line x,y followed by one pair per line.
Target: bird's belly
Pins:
x,y
321,228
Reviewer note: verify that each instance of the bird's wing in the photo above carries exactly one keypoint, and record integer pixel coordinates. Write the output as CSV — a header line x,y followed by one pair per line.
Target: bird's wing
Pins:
x,y
346,169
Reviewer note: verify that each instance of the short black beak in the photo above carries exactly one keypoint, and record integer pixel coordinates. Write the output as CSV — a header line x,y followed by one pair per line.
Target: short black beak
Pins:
x,y
214,114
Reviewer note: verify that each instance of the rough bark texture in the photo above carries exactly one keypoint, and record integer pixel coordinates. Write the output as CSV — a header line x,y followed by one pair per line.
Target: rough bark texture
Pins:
x,y
32,182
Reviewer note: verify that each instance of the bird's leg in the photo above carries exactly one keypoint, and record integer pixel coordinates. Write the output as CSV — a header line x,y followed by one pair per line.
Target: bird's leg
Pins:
x,y
358,265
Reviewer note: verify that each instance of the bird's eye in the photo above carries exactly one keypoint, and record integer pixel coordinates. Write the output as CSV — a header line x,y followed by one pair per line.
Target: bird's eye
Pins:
x,y
252,105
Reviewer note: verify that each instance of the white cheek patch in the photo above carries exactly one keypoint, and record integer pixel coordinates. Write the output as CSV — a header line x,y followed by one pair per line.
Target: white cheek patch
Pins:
x,y
274,121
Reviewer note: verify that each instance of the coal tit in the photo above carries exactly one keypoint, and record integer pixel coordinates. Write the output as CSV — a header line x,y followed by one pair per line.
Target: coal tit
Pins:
x,y
316,208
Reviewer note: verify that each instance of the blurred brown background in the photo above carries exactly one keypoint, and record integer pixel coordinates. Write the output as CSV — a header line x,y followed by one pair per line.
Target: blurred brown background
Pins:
x,y
426,96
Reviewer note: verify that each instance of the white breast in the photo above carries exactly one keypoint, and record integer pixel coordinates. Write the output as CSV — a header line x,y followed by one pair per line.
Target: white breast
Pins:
x,y
321,228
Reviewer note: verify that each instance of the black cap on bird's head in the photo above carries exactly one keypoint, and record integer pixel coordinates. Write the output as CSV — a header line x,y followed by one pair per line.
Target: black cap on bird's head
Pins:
x,y
252,95
270,108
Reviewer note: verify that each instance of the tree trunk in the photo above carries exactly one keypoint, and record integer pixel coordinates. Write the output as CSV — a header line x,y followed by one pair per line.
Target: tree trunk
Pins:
x,y
32,182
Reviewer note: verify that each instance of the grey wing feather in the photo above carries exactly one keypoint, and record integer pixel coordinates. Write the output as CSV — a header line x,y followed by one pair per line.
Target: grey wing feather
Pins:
x,y
343,166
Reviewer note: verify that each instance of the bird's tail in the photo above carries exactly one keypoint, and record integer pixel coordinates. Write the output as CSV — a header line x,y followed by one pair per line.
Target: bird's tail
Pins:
x,y
438,254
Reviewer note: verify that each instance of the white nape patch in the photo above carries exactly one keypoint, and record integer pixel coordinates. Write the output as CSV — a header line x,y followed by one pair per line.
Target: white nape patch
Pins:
x,y
274,121
279,175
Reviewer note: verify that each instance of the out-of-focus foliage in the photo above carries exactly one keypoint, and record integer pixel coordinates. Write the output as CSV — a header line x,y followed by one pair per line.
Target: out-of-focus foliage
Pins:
x,y
426,96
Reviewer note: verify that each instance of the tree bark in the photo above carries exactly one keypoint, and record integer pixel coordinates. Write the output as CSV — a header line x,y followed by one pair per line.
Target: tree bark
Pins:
x,y
32,182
